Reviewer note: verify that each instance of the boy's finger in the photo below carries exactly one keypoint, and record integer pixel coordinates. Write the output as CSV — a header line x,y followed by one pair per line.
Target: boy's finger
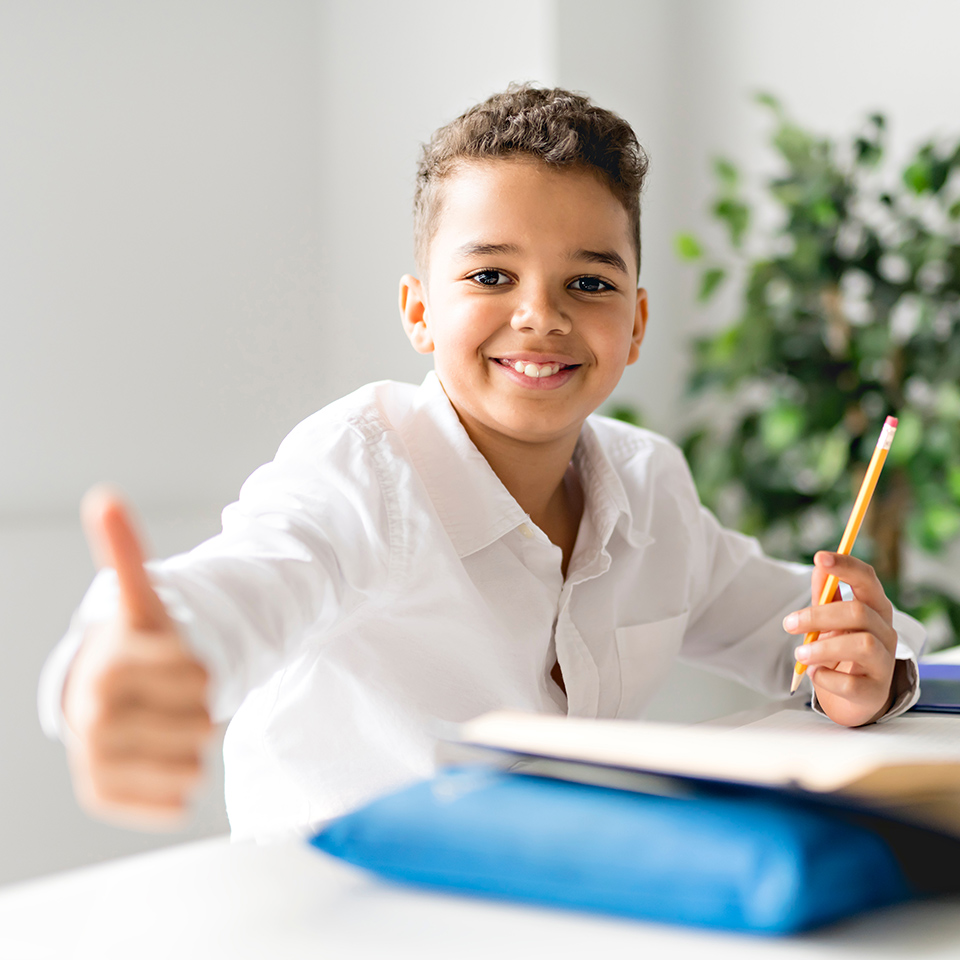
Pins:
x,y
841,618
158,736
857,688
113,542
860,576
162,782
863,651
175,688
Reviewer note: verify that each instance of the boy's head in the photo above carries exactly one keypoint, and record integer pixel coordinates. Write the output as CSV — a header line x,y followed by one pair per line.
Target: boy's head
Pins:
x,y
560,129
527,220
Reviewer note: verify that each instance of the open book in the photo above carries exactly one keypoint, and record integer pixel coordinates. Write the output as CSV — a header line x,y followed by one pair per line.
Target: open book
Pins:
x,y
896,775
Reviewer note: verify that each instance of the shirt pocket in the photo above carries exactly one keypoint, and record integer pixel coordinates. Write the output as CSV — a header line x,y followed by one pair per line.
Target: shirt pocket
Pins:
x,y
646,652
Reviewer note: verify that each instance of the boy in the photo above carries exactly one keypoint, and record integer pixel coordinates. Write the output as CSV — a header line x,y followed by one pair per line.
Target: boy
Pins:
x,y
482,541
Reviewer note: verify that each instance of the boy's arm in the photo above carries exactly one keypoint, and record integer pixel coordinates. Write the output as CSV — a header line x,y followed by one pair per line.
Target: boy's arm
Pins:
x,y
310,540
739,599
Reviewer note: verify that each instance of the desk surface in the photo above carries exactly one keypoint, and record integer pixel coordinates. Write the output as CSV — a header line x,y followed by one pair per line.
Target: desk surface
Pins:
x,y
215,899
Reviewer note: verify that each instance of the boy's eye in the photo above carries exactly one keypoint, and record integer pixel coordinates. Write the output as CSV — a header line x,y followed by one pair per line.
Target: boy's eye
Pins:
x,y
590,285
490,278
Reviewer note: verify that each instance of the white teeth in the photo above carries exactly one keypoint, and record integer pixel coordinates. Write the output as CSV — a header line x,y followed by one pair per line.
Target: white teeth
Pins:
x,y
537,370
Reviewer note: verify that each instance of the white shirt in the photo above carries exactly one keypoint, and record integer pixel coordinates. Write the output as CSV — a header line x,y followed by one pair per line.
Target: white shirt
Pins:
x,y
377,578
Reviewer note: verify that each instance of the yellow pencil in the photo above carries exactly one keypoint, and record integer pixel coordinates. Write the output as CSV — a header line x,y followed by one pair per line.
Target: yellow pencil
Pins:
x,y
853,526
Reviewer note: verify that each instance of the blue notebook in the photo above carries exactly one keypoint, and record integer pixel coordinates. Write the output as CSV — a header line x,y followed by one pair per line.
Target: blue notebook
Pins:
x,y
939,688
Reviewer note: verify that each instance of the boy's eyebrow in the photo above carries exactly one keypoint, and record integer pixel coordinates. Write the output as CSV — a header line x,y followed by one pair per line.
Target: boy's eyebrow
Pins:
x,y
486,249
609,257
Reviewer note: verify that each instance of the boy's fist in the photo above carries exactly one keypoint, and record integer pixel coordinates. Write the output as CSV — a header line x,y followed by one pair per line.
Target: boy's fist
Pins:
x,y
135,698
853,662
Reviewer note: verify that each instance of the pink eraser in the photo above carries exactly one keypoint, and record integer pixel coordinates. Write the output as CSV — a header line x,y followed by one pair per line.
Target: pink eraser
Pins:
x,y
890,422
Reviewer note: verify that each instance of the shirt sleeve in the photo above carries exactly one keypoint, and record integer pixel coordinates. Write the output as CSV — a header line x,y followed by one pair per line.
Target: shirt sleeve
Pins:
x,y
739,597
311,538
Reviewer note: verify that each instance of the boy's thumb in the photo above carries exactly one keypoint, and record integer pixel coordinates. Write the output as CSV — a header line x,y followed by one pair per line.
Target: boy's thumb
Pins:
x,y
113,542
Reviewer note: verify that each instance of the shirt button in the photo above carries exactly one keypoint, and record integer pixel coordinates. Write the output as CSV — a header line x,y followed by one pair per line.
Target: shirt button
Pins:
x,y
526,531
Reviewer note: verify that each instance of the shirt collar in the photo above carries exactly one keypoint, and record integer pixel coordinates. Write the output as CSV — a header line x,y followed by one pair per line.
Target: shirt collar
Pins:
x,y
474,507
603,491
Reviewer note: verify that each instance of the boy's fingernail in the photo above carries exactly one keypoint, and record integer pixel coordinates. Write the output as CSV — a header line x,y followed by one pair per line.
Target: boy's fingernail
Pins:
x,y
827,559
802,653
790,622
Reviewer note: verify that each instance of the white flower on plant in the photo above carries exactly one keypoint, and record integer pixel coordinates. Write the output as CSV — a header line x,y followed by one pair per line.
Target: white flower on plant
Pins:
x,y
851,239
933,275
905,317
943,321
894,268
855,290
817,527
919,393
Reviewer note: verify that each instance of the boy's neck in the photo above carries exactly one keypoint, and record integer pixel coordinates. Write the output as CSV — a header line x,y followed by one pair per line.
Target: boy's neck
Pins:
x,y
541,478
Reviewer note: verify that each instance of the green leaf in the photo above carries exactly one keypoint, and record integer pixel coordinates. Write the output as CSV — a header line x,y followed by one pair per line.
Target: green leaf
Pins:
x,y
948,401
917,177
833,457
736,215
627,414
940,524
953,482
824,212
781,426
726,172
868,153
769,100
687,246
709,282
908,438
796,145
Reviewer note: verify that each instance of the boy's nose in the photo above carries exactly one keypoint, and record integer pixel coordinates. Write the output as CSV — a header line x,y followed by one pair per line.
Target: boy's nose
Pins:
x,y
541,315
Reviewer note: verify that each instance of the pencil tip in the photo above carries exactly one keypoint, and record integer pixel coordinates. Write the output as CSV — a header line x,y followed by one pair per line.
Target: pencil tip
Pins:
x,y
795,683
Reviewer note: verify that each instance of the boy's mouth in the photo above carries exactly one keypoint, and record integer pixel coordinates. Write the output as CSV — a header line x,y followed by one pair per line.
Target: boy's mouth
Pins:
x,y
534,369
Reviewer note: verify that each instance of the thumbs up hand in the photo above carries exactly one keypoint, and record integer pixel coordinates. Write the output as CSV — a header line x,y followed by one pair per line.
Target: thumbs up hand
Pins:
x,y
135,698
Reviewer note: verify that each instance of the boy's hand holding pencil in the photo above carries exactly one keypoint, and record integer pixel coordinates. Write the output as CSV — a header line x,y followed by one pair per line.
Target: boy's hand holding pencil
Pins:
x,y
849,647
852,662
135,699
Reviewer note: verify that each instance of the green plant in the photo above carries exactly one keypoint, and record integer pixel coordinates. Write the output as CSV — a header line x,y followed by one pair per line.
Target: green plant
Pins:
x,y
850,311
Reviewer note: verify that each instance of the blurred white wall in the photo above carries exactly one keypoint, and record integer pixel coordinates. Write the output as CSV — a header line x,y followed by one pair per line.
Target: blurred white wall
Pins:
x,y
204,210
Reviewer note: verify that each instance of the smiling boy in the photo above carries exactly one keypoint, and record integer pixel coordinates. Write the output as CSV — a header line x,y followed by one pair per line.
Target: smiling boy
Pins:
x,y
483,541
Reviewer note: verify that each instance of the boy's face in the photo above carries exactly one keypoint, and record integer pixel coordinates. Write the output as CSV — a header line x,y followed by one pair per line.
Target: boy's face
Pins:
x,y
529,268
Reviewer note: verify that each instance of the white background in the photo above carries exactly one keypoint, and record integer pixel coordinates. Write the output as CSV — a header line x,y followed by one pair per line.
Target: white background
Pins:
x,y
204,211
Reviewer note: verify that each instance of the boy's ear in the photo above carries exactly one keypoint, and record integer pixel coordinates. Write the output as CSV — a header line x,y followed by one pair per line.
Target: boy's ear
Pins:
x,y
639,326
413,313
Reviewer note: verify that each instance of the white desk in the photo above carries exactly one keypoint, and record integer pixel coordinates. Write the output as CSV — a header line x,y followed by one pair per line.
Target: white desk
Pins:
x,y
215,899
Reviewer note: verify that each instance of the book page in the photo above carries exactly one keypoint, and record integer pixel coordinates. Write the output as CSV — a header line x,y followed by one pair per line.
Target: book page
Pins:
x,y
803,756
941,730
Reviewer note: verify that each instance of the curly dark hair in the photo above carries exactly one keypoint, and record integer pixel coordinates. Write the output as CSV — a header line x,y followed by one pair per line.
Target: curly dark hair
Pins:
x,y
554,126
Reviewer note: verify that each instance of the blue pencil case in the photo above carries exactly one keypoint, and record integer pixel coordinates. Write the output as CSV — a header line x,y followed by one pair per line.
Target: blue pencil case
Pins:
x,y
738,861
